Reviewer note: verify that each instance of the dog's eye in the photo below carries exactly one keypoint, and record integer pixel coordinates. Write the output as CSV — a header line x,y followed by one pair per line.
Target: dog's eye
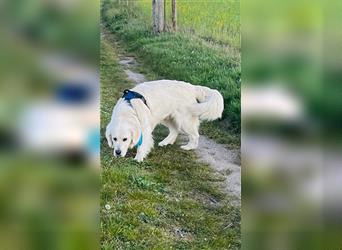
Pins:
x,y
115,139
124,139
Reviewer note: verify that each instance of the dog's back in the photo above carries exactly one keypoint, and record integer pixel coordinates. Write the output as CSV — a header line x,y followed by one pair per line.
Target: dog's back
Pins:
x,y
166,96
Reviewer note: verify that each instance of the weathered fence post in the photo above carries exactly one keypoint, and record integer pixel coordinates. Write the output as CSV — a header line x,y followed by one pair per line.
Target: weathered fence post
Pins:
x,y
154,16
158,15
165,23
161,15
174,15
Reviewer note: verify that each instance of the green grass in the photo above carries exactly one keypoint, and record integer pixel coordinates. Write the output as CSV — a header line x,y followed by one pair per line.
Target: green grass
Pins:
x,y
169,200
181,57
217,20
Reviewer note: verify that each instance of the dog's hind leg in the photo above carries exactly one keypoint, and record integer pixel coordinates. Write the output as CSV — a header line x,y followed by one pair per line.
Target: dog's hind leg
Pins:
x,y
173,133
190,127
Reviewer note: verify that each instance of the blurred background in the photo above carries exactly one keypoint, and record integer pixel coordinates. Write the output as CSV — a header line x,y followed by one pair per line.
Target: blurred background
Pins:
x,y
49,124
291,124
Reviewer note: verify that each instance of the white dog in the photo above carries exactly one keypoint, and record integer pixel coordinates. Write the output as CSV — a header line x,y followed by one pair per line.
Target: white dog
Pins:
x,y
180,106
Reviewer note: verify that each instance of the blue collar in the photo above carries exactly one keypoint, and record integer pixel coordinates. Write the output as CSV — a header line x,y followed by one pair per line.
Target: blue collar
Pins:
x,y
140,141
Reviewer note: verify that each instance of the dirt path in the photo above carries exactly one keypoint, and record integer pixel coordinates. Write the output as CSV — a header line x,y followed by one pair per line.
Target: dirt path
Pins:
x,y
221,159
129,63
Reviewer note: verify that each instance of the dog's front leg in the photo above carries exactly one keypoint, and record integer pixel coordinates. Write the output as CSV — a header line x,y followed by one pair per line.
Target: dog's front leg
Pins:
x,y
141,154
145,147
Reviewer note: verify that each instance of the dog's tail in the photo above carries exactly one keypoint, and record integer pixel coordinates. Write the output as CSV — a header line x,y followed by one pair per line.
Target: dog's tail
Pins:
x,y
210,104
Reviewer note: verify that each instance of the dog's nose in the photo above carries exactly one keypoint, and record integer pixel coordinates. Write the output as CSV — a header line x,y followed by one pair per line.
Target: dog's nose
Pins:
x,y
118,152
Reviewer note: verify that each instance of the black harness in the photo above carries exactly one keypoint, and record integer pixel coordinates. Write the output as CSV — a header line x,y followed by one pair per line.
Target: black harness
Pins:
x,y
128,95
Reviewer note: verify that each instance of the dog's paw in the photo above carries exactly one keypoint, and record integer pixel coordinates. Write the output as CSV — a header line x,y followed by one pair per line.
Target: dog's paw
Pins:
x,y
163,143
138,159
188,147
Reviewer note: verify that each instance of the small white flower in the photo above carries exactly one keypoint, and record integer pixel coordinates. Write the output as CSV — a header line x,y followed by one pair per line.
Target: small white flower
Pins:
x,y
107,206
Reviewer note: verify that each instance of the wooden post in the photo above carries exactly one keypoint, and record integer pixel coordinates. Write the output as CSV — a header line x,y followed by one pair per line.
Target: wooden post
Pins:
x,y
154,16
164,11
174,15
158,15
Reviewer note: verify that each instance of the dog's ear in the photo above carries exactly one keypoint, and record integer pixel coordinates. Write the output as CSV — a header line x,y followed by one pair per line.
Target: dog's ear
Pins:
x,y
135,133
144,118
142,111
109,136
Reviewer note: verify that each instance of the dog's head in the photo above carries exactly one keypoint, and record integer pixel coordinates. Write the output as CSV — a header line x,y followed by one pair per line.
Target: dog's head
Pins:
x,y
121,136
